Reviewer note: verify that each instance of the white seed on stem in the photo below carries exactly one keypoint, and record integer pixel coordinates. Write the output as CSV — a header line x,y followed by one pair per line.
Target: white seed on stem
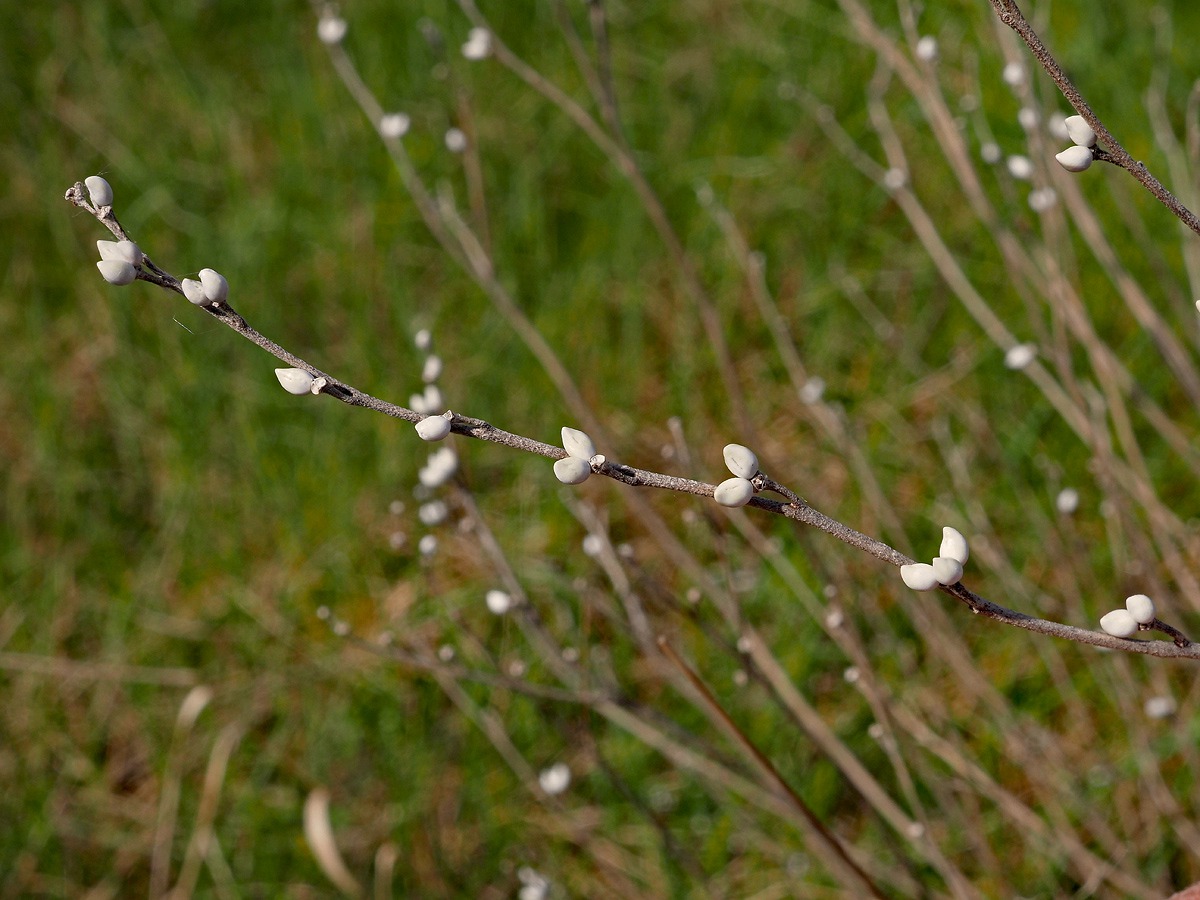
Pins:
x,y
194,291
578,444
919,576
117,271
572,471
331,29
954,545
1080,132
1075,159
216,288
127,251
1141,608
99,190
1119,623
947,570
741,461
434,428
1019,356
1020,167
294,381
734,492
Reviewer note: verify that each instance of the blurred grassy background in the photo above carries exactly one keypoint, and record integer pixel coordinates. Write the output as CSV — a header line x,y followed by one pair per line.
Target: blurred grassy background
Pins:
x,y
170,514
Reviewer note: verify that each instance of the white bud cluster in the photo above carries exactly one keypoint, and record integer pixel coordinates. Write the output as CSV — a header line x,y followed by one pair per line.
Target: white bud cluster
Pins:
x,y
737,491
1123,623
1078,157
946,568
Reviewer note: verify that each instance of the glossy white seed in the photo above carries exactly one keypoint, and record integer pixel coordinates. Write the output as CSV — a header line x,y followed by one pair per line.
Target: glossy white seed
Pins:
x,y
433,428
294,381
734,492
194,291
1080,132
99,190
216,288
741,461
1119,623
954,545
919,576
578,444
498,602
572,470
947,570
127,251
1141,608
117,271
1075,159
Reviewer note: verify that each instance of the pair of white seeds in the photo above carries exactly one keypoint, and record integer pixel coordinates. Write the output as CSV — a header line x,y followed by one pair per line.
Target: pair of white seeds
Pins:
x,y
1123,623
1079,157
946,568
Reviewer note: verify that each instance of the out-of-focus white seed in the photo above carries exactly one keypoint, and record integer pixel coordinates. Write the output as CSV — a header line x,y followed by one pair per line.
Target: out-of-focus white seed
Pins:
x,y
1159,707
433,428
1075,159
427,546
99,190
1141,608
194,291
578,444
954,545
812,390
394,125
1020,167
433,513
117,271
927,48
423,339
947,570
433,399
734,492
1080,132
555,779
919,576
1067,501
456,141
478,45
331,29
991,153
894,179
498,602
1027,118
741,461
294,381
1056,125
1013,74
1042,199
572,471
432,370
216,288
1119,623
1019,356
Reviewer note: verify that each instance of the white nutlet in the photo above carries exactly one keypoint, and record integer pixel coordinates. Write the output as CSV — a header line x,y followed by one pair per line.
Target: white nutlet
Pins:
x,y
295,381
954,545
572,470
117,271
1119,623
99,190
1080,132
194,291
126,251
741,461
947,570
578,444
216,288
1141,608
1075,159
919,576
433,428
734,492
